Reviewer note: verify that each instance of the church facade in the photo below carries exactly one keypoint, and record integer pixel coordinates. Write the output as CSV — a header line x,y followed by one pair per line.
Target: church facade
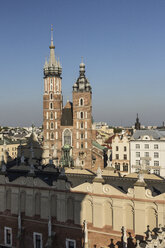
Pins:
x,y
67,131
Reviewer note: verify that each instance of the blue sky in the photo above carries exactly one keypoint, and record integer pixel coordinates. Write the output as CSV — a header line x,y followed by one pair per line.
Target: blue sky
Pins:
x,y
123,45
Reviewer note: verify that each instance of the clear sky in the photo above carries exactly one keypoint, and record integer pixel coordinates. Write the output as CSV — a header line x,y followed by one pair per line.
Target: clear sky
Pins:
x,y
123,45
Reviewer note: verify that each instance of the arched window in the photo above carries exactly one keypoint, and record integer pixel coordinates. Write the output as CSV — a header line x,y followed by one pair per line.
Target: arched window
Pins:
x,y
52,136
67,137
51,105
82,146
52,125
81,102
82,135
51,96
81,115
82,125
51,115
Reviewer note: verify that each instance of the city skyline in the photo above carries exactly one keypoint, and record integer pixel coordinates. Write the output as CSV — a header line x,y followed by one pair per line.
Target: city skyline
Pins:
x,y
123,48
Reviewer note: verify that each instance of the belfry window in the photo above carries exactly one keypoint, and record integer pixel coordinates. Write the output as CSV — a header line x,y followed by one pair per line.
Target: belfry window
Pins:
x,y
81,102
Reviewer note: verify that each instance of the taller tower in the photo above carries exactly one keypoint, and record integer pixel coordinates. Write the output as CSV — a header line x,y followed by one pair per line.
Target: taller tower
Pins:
x,y
52,102
82,120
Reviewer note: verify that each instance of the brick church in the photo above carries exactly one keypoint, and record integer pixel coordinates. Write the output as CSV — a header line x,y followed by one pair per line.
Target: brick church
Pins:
x,y
68,130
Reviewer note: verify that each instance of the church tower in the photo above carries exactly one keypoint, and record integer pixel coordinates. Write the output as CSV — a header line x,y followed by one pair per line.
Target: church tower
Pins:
x,y
52,103
82,120
137,123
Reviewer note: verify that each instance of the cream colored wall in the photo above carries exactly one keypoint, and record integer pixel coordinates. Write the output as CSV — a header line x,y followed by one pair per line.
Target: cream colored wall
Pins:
x,y
100,204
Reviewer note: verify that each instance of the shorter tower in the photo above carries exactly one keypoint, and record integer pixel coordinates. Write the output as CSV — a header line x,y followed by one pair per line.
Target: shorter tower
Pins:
x,y
52,103
82,120
137,123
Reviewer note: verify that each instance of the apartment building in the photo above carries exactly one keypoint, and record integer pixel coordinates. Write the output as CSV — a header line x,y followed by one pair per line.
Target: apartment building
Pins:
x,y
147,151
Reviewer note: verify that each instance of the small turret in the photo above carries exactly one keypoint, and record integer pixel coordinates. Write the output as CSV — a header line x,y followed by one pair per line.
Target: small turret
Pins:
x,y
82,84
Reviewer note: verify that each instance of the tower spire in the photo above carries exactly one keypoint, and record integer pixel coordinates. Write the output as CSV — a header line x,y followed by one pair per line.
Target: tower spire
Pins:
x,y
52,45
52,60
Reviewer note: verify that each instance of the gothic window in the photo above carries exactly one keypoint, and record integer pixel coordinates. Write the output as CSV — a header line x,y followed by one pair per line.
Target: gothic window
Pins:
x,y
81,115
67,137
81,102
51,115
51,105
82,135
51,136
52,125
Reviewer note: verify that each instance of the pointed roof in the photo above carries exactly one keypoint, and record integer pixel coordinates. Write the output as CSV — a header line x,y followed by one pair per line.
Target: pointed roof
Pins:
x,y
52,67
52,60
68,105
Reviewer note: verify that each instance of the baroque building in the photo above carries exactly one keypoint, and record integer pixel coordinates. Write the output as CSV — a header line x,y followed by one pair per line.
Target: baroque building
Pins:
x,y
68,130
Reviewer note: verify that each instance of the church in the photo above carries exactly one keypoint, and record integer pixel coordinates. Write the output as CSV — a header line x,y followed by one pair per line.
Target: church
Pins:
x,y
67,131
61,195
